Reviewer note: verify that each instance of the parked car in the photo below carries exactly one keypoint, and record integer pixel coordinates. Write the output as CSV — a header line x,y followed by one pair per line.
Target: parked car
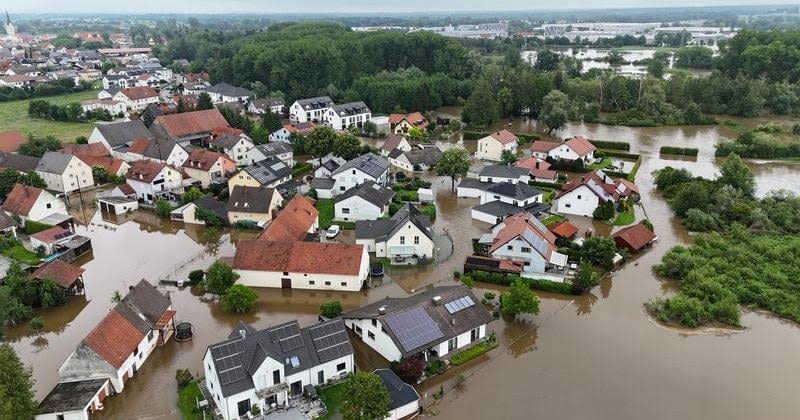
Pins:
x,y
332,231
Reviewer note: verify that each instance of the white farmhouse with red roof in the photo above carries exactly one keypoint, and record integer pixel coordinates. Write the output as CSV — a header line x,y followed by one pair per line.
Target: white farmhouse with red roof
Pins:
x,y
582,196
573,149
492,146
522,238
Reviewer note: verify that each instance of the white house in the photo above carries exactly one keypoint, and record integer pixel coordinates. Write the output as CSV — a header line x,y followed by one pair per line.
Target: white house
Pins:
x,y
538,169
119,134
435,323
269,367
187,213
113,107
74,400
496,174
261,106
492,146
235,147
415,160
223,92
301,265
344,116
136,98
524,239
403,398
284,133
573,149
368,167
395,141
405,238
152,180
31,203
282,151
368,201
138,324
158,150
499,201
311,109
64,173
582,196
328,167
252,204
208,167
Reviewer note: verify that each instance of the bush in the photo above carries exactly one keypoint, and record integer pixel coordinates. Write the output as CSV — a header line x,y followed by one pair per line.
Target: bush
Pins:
x,y
468,281
32,227
239,298
36,324
196,276
183,377
301,168
331,309
507,279
489,295
163,208
410,369
466,355
435,367
680,151
615,145
604,211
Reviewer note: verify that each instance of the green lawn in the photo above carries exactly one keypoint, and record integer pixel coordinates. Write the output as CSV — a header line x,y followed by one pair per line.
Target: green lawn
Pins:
x,y
14,116
187,402
553,218
332,397
19,253
604,164
465,356
326,212
624,219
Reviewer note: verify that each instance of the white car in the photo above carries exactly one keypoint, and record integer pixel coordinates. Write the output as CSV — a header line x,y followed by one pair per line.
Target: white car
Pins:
x,y
332,231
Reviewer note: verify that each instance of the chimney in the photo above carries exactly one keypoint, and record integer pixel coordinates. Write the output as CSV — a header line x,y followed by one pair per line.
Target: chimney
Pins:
x,y
452,321
382,310
436,300
243,333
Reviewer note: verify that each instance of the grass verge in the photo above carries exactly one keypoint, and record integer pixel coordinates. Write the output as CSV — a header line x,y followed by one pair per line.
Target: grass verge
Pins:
x,y
326,212
553,218
465,356
19,253
624,219
332,396
187,402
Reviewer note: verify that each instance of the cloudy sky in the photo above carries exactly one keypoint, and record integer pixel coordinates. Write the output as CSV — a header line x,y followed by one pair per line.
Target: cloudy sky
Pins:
x,y
342,6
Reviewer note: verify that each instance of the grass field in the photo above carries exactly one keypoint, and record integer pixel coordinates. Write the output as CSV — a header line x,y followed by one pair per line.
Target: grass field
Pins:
x,y
332,396
625,218
187,402
14,116
19,253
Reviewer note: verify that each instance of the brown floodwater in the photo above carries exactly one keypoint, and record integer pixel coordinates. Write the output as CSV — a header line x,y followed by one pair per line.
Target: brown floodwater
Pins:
x,y
596,356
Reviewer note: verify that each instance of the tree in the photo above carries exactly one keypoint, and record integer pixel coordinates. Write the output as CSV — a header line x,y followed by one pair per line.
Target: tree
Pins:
x,y
507,157
586,277
735,173
346,146
38,146
191,195
519,299
181,108
599,251
320,141
17,400
219,278
656,68
453,163
204,101
271,121
331,309
415,134
615,58
604,210
547,60
239,298
481,107
691,114
555,110
365,397
196,276
163,208
410,369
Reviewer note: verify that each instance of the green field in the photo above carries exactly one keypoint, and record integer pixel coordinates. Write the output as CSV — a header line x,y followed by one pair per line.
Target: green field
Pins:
x,y
14,116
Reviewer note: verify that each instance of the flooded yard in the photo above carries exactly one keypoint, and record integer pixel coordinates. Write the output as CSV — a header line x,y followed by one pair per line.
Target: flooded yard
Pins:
x,y
595,356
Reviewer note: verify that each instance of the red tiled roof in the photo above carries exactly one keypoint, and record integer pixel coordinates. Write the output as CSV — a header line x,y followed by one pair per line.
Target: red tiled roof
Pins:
x,y
517,225
542,170
580,145
49,236
615,187
563,229
145,170
221,131
93,149
11,140
301,128
203,159
114,338
293,222
21,199
195,122
139,146
512,266
634,237
541,146
392,141
139,92
165,319
65,275
415,118
299,257
111,165
126,189
504,136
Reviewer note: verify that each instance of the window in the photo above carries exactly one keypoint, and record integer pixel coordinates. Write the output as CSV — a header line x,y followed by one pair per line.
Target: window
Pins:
x,y
327,283
321,377
371,335
346,211
341,366
354,171
276,377
416,240
49,205
567,205
374,322
136,351
243,407
285,273
525,249
510,247
402,240
452,344
312,282
579,196
344,284
150,336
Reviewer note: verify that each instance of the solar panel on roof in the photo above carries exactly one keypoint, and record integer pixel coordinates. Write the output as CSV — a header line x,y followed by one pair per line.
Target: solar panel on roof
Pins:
x,y
459,304
285,331
414,328
291,343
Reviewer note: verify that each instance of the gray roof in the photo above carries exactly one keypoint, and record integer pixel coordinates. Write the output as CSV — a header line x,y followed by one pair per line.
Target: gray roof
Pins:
x,y
6,221
267,102
275,148
400,393
121,133
384,229
146,300
322,183
54,163
518,191
429,156
19,162
70,396
502,209
209,202
474,183
250,199
370,163
401,318
229,90
351,108
318,102
371,192
331,165
226,142
503,171
238,358
160,149
268,170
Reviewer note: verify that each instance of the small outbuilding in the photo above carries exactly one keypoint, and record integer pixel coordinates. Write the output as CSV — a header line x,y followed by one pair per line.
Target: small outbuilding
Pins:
x,y
403,398
69,277
118,204
74,400
563,229
634,238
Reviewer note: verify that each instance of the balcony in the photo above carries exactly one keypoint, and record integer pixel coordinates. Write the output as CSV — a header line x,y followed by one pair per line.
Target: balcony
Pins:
x,y
270,390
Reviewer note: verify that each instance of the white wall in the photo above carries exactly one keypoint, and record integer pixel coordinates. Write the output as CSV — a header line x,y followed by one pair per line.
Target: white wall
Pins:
x,y
353,177
534,262
463,340
464,192
483,217
409,231
580,201
489,196
490,148
97,137
403,411
352,283
359,209
46,205
382,343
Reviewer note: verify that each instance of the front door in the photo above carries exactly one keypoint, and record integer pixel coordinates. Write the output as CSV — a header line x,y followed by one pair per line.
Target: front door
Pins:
x,y
243,407
321,377
296,388
286,283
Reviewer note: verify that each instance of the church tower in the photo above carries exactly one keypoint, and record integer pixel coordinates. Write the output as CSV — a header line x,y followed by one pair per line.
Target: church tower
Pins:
x,y
11,31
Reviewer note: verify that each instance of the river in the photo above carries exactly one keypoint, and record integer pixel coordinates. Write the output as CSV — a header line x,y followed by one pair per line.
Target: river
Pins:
x,y
596,356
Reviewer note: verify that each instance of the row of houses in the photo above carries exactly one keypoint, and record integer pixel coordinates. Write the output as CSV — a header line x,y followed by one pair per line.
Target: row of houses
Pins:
x,y
323,110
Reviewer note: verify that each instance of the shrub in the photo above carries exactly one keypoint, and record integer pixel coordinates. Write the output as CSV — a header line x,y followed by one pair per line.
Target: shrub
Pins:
x,y
468,281
196,276
32,227
507,279
163,208
331,309
239,298
183,377
681,151
489,295
36,324
466,355
410,369
435,367
616,145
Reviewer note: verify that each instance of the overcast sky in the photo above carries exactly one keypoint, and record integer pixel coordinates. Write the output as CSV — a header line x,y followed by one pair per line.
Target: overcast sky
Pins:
x,y
341,6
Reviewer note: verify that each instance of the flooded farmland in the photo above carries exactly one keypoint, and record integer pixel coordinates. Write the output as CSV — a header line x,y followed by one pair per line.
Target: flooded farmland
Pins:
x,y
596,356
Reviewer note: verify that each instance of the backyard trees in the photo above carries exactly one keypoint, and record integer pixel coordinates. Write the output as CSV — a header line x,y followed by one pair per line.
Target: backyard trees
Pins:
x,y
16,387
346,146
239,298
320,141
519,299
271,121
555,110
599,251
735,173
453,163
365,397
410,369
604,210
415,134
331,309
204,101
191,195
481,107
219,278
585,278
